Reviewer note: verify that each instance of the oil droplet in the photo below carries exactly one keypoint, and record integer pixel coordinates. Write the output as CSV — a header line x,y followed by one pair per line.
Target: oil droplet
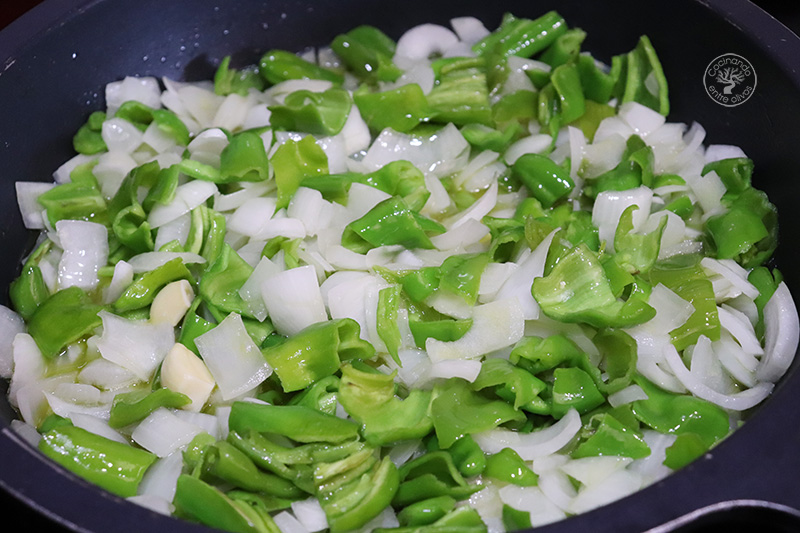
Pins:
x,y
74,55
163,59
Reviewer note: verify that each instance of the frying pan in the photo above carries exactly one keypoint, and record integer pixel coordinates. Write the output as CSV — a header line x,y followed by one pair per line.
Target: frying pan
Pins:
x,y
55,61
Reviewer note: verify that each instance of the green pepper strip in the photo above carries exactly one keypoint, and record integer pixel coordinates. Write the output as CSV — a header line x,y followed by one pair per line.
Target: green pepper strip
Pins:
x,y
115,467
546,181
523,37
130,407
401,109
228,80
506,465
143,290
210,506
318,113
278,65
368,52
62,319
390,222
296,422
316,352
295,161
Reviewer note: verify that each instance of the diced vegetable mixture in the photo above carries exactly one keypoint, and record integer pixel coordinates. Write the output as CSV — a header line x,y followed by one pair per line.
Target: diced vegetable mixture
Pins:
x,y
465,281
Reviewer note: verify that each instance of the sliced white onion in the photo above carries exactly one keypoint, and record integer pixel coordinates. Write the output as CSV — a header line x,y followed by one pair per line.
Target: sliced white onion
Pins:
x,y
627,395
478,210
177,230
162,432
593,470
144,90
469,29
425,40
187,197
85,246
532,144
495,325
532,499
120,280
137,346
439,155
148,261
293,299
737,324
608,208
641,119
98,426
232,357
161,478
121,136
62,173
111,169
28,193
781,335
739,401
11,324
106,375
309,512
530,446
519,283
618,485
717,152
466,370
251,290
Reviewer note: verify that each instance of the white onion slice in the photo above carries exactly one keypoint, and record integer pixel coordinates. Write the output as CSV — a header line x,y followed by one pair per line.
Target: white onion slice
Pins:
x,y
11,324
148,261
781,335
27,199
187,197
532,445
162,432
232,357
137,346
85,247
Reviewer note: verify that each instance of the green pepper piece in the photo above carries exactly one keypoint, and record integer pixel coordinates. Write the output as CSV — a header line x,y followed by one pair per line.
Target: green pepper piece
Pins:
x,y
522,37
316,352
53,421
574,389
425,512
318,113
143,290
431,475
546,181
296,422
193,326
220,284
461,275
401,109
115,467
62,319
571,103
679,414
636,252
199,171
619,352
686,448
278,65
226,462
141,116
507,466
75,200
457,410
467,455
515,520
362,500
641,66
293,162
399,178
511,383
390,222
460,94
321,395
590,120
598,86
370,399
766,282
734,172
485,138
28,291
210,506
228,80
368,52
244,159
289,463
735,232
444,330
691,284
681,206
607,436
88,139
634,169
130,407
388,330
577,290
565,48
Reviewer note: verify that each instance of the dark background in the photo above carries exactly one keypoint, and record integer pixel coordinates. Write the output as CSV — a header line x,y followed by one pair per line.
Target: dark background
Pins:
x,y
785,11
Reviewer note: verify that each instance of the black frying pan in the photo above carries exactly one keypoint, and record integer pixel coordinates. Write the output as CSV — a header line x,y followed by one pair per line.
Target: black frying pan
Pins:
x,y
55,62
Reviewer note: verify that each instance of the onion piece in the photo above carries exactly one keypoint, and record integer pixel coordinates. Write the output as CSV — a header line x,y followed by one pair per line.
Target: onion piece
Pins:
x,y
495,325
85,247
31,210
162,432
532,445
627,395
187,197
137,346
518,285
11,324
309,512
739,401
781,335
421,42
232,357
